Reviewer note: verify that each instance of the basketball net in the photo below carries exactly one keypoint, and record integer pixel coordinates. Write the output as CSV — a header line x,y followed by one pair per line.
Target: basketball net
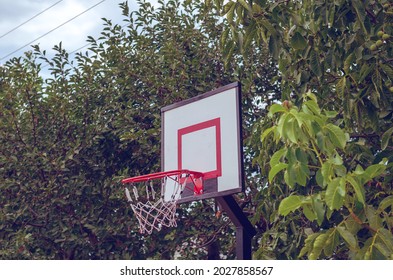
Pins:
x,y
152,210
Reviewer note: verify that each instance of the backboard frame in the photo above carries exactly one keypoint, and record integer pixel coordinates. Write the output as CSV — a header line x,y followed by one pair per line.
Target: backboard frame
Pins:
x,y
210,181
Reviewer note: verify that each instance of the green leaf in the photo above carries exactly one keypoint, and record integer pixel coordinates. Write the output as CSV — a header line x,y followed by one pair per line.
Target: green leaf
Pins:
x,y
340,170
308,244
319,178
309,212
273,46
312,107
230,8
289,178
360,12
319,208
281,122
388,70
340,86
336,135
315,64
386,238
303,174
386,202
319,245
269,27
377,81
250,34
301,155
310,96
276,157
348,62
298,42
373,171
327,172
224,37
228,49
290,204
275,169
336,159
352,225
373,217
386,138
332,242
267,132
383,249
245,5
365,71
290,129
276,108
377,247
335,193
365,253
359,190
331,16
358,170
349,238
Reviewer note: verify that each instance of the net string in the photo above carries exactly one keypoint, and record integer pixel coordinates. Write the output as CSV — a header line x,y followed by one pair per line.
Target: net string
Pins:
x,y
154,215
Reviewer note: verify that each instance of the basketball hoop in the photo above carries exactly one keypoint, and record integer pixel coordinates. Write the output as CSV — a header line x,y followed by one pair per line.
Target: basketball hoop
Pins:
x,y
154,210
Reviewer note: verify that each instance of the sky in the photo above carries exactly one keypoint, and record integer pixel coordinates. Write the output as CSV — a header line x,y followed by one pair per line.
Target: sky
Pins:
x,y
54,21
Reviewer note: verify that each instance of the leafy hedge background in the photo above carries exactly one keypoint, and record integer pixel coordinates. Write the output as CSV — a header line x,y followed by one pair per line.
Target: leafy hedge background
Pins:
x,y
317,120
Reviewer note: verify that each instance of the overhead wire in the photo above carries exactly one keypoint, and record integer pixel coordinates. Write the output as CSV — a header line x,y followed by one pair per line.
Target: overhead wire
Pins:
x,y
23,23
50,31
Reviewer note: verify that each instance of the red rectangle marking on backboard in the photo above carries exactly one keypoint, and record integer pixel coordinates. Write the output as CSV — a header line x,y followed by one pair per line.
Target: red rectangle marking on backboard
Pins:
x,y
196,127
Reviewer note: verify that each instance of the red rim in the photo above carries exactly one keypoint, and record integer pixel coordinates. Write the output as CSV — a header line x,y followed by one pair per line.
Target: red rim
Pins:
x,y
162,174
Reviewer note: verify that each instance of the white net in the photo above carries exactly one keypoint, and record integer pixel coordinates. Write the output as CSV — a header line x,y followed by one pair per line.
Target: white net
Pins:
x,y
152,210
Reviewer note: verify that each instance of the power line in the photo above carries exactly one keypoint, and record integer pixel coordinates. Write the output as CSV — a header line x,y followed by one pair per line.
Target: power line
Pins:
x,y
50,31
23,23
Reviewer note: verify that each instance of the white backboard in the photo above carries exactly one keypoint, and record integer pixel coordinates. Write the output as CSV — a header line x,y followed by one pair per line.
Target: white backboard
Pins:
x,y
204,134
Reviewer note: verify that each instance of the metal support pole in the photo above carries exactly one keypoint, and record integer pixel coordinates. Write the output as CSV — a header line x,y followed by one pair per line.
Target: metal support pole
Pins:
x,y
244,229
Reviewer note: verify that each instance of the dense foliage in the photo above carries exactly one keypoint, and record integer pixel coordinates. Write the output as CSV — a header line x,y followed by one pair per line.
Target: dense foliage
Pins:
x,y
326,151
72,127
317,116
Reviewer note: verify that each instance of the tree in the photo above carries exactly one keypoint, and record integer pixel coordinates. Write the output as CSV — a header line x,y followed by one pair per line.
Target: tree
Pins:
x,y
326,152
66,141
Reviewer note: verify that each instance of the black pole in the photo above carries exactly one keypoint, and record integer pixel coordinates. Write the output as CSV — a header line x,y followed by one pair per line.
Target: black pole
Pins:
x,y
244,229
